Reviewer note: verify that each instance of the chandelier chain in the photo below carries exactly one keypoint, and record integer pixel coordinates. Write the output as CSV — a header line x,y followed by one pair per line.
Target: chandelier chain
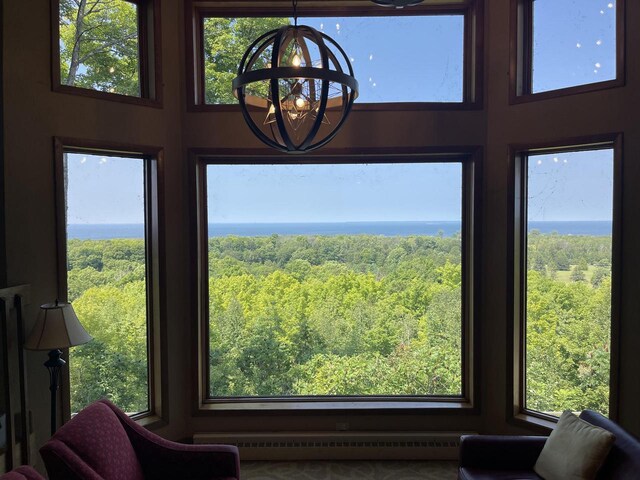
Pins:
x,y
295,12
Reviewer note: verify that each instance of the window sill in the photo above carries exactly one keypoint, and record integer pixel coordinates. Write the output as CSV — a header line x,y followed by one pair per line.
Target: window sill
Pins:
x,y
112,97
540,424
516,99
150,421
435,406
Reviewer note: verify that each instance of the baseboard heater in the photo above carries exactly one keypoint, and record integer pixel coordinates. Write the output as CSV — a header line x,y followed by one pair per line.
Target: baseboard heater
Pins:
x,y
339,445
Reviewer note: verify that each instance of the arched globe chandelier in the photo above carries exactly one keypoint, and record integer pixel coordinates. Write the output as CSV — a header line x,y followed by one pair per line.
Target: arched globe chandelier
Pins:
x,y
296,87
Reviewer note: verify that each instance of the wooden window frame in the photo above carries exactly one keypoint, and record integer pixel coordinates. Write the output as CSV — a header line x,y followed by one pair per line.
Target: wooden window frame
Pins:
x,y
473,44
155,253
470,159
517,413
3,214
521,57
149,52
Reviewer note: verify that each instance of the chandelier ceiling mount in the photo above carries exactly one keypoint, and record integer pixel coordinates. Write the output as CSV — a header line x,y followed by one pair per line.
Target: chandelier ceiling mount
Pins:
x,y
397,3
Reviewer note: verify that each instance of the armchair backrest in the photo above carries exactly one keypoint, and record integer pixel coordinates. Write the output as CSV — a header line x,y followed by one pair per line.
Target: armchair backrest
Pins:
x,y
93,445
623,462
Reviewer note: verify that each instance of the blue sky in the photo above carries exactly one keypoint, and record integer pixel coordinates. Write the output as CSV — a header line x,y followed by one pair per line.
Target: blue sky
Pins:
x,y
573,43
103,189
574,186
386,52
567,186
428,52
334,193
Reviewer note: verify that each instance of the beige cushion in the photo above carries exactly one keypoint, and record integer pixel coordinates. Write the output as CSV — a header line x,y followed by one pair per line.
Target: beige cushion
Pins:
x,y
575,450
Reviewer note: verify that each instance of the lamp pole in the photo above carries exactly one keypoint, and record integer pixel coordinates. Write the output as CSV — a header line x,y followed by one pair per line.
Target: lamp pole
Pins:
x,y
54,364
57,327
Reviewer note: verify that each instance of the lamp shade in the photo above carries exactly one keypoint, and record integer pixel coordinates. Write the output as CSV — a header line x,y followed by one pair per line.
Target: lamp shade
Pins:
x,y
57,327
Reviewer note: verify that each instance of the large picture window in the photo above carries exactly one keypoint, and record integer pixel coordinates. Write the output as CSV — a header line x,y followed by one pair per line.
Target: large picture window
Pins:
x,y
109,230
329,280
107,48
566,279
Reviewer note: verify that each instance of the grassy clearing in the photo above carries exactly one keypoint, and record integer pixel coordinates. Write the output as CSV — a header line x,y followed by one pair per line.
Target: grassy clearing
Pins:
x,y
565,275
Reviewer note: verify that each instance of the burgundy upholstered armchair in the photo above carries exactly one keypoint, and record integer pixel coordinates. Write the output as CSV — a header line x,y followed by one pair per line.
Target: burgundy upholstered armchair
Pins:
x,y
102,443
22,473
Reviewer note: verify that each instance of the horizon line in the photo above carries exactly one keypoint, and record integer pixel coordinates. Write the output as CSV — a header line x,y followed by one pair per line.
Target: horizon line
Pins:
x,y
334,222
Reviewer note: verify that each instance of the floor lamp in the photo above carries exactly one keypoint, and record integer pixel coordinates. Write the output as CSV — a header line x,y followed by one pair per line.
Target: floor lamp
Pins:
x,y
57,328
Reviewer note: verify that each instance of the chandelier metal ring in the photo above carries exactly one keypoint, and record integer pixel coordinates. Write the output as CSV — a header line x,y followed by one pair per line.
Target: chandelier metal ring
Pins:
x,y
291,72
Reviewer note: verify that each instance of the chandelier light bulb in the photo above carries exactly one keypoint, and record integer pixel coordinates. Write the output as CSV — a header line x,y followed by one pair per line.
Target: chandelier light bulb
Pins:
x,y
296,61
301,102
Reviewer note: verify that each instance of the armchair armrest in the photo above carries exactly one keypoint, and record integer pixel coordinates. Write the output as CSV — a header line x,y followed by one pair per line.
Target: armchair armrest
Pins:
x,y
500,452
163,459
63,463
22,473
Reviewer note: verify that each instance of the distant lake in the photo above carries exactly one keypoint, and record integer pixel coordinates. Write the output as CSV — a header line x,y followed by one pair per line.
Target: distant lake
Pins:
x,y
389,229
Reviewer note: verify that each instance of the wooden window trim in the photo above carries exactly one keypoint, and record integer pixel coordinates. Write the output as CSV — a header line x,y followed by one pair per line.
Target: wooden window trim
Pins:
x,y
3,214
150,58
516,255
471,160
521,57
473,45
155,252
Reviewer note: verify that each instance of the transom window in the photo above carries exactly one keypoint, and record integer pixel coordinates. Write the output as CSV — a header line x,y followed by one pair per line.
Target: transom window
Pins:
x,y
427,56
107,48
395,58
574,43
568,46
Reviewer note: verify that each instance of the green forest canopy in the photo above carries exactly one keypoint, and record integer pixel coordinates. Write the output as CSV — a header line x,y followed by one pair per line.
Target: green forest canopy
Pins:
x,y
99,47
345,315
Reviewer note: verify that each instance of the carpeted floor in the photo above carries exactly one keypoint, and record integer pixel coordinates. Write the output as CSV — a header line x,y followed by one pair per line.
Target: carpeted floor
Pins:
x,y
350,470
